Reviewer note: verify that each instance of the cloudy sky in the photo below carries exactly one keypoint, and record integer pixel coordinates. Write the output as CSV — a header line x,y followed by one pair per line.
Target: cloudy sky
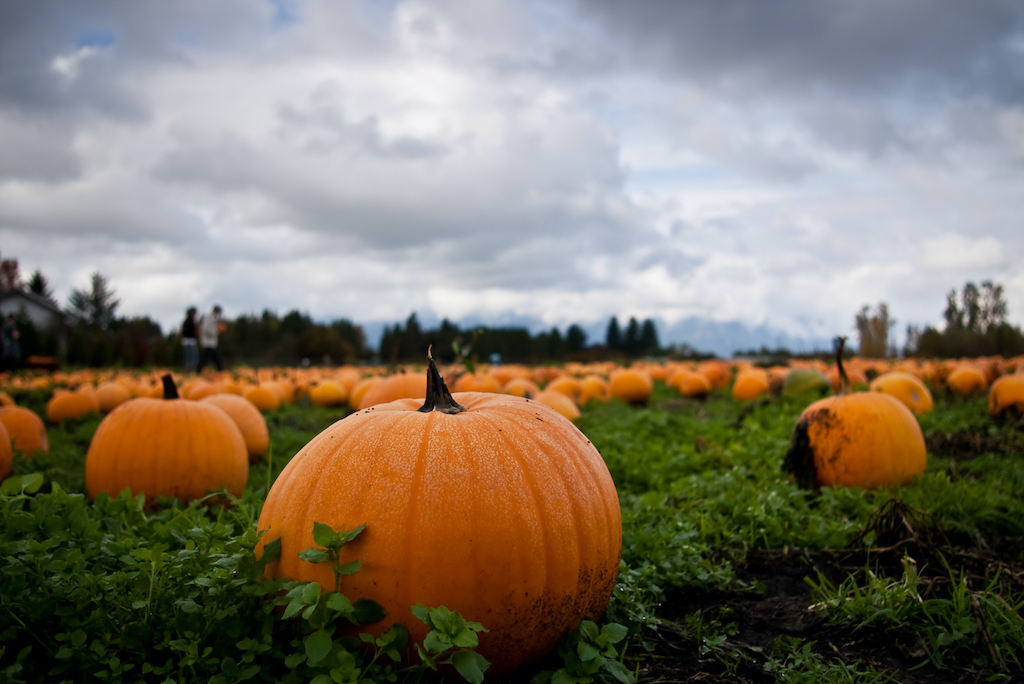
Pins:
x,y
776,163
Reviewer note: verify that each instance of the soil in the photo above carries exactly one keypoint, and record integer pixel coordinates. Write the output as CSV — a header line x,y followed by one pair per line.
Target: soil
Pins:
x,y
781,606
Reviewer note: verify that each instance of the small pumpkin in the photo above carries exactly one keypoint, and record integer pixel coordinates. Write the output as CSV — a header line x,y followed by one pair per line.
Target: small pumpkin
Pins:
x,y
111,394
398,386
1006,395
751,383
559,402
967,379
264,397
864,439
631,385
166,447
328,393
906,387
521,387
489,504
64,405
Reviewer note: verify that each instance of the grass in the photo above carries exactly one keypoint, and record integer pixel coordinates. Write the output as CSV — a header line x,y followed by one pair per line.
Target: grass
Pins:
x,y
702,491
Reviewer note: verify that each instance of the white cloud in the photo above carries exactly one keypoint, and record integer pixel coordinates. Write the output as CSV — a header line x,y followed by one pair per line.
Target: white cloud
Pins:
x,y
958,253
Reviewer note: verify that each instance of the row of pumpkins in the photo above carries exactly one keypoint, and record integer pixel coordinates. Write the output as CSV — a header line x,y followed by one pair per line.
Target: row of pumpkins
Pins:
x,y
501,491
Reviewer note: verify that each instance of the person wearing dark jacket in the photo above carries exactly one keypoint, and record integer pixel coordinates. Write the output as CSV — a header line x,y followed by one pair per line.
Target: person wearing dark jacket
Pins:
x,y
190,341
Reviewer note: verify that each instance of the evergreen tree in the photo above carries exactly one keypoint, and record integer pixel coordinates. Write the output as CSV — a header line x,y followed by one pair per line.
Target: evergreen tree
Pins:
x,y
614,336
95,306
575,339
38,284
631,344
649,338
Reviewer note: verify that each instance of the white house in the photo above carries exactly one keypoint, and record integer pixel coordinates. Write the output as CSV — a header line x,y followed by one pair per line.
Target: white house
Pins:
x,y
44,314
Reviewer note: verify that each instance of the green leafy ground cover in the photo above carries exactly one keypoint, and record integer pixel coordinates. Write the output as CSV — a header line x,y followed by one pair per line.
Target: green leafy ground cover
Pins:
x,y
729,572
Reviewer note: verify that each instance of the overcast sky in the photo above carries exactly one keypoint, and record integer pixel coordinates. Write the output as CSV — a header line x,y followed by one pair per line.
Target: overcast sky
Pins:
x,y
777,162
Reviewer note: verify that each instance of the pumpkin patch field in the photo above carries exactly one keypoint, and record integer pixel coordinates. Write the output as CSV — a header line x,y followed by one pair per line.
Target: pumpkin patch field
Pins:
x,y
662,523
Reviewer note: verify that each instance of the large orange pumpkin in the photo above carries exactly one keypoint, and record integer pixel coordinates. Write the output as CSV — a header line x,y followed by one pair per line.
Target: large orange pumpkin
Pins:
x,y
865,439
495,506
26,430
166,447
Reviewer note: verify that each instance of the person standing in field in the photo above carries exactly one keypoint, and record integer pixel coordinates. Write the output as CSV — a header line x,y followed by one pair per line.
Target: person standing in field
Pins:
x,y
11,344
189,341
209,329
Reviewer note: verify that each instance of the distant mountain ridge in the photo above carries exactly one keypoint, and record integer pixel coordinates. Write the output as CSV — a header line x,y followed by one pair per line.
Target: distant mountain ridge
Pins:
x,y
705,335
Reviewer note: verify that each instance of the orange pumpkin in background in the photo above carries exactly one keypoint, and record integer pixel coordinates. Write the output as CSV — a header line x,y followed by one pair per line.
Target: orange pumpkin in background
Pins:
x,y
398,386
64,405
166,447
864,439
967,379
248,419
328,393
906,387
521,387
25,429
560,402
751,383
1006,395
492,505
631,385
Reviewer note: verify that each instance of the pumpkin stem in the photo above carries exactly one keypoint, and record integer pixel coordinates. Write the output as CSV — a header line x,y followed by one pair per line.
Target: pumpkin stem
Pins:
x,y
438,397
170,391
844,380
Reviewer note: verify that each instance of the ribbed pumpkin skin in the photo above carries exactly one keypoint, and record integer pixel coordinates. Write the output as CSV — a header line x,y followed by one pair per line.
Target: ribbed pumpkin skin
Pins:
x,y
6,453
505,513
866,439
175,448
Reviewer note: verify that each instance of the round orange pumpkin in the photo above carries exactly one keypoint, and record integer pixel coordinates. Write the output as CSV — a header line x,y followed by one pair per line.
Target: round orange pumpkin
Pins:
x,y
559,402
248,419
1007,395
111,394
166,447
751,384
328,393
398,386
26,430
865,439
967,379
906,387
70,406
495,506
593,387
264,397
631,385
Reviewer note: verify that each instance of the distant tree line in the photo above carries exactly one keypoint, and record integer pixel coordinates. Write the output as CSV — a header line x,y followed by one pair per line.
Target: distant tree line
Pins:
x,y
976,325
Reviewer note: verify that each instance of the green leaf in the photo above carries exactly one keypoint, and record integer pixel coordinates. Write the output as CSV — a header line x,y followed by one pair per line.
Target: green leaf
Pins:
x,y
318,645
348,568
437,642
293,609
368,611
422,613
293,660
311,593
615,632
314,555
471,665
586,651
31,483
325,536
619,671
339,603
562,676
467,638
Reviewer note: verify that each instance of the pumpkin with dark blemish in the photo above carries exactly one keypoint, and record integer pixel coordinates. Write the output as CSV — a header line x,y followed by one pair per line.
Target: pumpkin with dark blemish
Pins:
x,y
489,504
864,439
